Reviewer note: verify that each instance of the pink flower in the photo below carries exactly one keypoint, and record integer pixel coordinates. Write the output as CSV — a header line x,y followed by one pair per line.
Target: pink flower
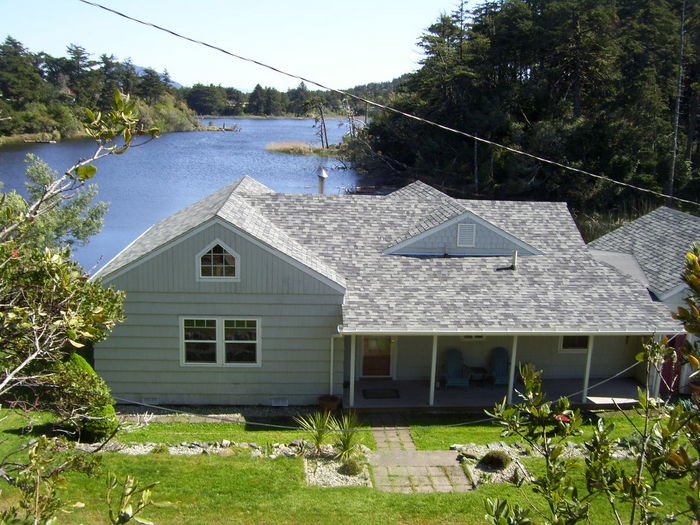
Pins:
x,y
14,254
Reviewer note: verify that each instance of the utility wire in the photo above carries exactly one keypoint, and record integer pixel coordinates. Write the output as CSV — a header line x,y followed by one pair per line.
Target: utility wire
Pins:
x,y
393,110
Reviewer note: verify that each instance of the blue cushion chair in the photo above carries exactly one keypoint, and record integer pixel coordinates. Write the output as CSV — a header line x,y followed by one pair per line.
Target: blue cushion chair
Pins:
x,y
498,366
456,374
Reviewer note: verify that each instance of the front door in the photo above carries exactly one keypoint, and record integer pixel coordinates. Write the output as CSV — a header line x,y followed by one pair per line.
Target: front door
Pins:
x,y
376,356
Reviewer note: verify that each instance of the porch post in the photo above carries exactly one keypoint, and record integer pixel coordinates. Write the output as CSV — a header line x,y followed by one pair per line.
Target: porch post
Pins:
x,y
330,378
511,370
655,379
352,370
587,372
433,366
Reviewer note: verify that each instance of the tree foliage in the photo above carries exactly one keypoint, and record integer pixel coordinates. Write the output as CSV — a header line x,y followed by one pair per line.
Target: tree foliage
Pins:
x,y
589,83
70,222
665,446
47,308
44,94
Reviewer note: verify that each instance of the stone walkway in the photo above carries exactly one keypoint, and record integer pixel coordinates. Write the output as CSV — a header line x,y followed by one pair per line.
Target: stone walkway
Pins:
x,y
399,467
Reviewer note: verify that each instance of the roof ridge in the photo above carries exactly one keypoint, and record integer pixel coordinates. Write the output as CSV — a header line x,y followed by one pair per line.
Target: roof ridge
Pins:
x,y
250,219
419,188
448,209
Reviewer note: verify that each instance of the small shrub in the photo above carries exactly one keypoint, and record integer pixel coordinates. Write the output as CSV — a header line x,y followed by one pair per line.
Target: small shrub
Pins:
x,y
496,459
82,400
160,448
98,424
351,467
348,440
319,425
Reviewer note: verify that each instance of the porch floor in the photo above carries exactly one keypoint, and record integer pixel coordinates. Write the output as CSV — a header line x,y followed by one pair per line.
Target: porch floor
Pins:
x,y
414,394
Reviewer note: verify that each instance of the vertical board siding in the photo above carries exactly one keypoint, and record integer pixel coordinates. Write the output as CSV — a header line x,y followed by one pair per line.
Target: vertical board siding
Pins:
x,y
298,316
485,242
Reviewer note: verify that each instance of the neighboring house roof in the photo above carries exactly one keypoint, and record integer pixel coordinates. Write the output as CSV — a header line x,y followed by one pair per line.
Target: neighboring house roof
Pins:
x,y
657,242
561,289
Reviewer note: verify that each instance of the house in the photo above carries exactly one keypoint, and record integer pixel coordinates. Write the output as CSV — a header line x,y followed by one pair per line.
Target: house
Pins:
x,y
254,297
652,249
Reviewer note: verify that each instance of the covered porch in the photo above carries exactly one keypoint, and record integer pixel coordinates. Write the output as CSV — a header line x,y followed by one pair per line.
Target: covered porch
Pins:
x,y
413,371
385,394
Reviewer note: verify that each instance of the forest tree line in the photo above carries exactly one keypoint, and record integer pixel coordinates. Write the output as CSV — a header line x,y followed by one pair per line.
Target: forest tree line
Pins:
x,y
590,83
40,93
48,95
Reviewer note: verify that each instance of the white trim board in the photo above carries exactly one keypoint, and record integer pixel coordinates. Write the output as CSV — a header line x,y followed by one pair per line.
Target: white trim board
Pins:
x,y
207,224
509,332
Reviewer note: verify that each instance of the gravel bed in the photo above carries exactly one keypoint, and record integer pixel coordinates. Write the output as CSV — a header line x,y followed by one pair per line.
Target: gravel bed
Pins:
x,y
516,450
324,472
471,453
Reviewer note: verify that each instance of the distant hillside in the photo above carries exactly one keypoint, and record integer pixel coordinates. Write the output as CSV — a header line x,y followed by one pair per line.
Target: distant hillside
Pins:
x,y
45,95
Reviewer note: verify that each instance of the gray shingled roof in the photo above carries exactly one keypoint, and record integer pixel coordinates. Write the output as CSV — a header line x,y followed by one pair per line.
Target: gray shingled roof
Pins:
x,y
231,205
563,290
659,241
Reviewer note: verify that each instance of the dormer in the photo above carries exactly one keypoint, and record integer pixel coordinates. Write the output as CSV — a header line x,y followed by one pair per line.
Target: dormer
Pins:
x,y
452,230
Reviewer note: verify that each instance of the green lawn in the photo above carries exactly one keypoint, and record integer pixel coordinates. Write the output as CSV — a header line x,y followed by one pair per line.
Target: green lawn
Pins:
x,y
179,432
239,489
427,438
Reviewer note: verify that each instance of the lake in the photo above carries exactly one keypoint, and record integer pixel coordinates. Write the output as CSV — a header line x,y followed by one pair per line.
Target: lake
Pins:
x,y
150,182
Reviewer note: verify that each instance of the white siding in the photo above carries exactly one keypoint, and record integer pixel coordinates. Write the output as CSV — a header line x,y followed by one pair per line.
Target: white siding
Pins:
x,y
299,315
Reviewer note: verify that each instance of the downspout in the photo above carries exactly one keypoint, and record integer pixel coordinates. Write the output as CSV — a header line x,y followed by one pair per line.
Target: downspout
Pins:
x,y
332,364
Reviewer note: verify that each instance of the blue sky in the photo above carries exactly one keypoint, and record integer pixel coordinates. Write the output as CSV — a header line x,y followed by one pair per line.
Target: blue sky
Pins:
x,y
340,44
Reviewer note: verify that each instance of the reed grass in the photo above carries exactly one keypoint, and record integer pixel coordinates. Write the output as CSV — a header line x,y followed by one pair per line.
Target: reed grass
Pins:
x,y
299,148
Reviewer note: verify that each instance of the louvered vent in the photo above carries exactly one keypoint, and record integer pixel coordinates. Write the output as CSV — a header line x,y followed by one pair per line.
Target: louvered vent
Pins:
x,y
466,235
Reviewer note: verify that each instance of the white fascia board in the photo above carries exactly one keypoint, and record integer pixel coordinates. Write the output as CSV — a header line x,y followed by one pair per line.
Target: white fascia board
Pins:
x,y
514,331
98,272
466,215
217,220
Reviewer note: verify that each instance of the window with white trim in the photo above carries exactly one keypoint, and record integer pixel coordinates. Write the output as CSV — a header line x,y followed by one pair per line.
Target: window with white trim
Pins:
x,y
220,341
218,262
466,235
573,344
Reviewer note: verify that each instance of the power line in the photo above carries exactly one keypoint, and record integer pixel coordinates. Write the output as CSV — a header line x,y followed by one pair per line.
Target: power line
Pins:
x,y
393,110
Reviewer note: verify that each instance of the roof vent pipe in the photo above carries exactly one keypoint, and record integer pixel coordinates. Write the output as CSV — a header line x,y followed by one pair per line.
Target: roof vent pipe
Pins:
x,y
322,176
514,264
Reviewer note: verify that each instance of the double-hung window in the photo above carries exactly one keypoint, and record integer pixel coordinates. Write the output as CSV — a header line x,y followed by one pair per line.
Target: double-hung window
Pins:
x,y
220,341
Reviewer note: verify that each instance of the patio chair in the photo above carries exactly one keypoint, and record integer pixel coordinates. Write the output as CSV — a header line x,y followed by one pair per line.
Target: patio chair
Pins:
x,y
498,366
456,374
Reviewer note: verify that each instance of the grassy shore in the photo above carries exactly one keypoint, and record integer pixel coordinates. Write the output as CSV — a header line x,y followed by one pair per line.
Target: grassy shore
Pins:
x,y
301,148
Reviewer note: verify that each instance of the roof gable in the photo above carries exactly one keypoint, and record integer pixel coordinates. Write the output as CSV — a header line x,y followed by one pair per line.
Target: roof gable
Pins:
x,y
659,241
453,230
230,205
